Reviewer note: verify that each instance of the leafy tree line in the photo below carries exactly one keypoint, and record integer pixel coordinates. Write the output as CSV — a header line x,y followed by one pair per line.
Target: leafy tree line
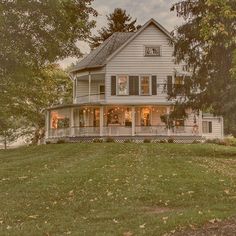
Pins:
x,y
33,36
207,44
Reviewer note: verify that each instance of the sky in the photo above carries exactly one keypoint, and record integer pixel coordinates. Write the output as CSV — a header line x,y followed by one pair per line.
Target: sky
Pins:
x,y
142,10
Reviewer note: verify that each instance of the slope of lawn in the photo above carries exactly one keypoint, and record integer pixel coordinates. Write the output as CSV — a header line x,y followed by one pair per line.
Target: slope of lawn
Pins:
x,y
115,189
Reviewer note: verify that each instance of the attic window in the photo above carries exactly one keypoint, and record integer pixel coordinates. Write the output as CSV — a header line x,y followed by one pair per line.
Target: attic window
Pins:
x,y
152,51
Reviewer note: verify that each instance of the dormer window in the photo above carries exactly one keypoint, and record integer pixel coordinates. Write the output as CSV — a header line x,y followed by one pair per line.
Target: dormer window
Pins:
x,y
152,51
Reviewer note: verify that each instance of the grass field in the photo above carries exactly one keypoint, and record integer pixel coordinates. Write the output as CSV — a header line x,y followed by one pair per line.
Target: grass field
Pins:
x,y
115,189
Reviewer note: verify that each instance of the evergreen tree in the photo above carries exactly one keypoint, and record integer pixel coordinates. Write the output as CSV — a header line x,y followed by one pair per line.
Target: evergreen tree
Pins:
x,y
118,21
207,44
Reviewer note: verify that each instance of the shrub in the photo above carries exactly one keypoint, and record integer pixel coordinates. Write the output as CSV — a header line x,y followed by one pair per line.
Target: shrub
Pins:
x,y
163,141
128,141
170,140
48,142
60,141
110,140
195,142
97,140
147,140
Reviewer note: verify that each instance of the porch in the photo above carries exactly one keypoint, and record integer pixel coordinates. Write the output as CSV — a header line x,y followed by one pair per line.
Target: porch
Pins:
x,y
117,121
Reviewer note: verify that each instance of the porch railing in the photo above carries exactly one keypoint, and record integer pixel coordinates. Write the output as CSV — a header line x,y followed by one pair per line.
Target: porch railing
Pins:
x,y
95,97
124,131
151,130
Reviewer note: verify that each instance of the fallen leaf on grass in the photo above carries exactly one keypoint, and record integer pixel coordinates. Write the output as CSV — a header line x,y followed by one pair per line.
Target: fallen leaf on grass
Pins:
x,y
127,233
226,191
33,216
115,221
142,226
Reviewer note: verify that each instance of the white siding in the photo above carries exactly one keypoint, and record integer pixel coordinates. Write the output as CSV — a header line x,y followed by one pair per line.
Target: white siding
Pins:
x,y
217,128
131,61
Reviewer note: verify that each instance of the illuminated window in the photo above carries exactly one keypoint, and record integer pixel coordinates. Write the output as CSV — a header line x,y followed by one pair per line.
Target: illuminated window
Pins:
x,y
122,85
128,117
59,119
145,117
145,85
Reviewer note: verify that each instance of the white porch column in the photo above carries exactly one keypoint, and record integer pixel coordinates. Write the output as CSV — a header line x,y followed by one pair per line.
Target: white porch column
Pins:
x,y
72,123
133,121
89,86
168,113
200,123
101,120
47,124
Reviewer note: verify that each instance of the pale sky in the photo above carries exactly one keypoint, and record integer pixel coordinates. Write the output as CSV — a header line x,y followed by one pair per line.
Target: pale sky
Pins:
x,y
143,10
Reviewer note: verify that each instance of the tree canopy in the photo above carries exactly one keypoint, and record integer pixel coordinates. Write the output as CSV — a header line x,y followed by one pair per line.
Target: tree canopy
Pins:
x,y
33,36
118,21
206,42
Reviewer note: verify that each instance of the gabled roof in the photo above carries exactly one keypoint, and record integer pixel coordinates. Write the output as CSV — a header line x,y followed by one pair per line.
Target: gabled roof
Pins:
x,y
110,47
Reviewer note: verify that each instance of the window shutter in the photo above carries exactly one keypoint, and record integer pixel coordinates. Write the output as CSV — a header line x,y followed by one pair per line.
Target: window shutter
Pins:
x,y
154,85
210,127
187,85
169,85
113,85
133,85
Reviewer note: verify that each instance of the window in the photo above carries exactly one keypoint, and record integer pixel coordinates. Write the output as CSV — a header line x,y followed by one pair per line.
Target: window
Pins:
x,y
145,85
152,51
145,117
179,85
128,117
122,85
207,127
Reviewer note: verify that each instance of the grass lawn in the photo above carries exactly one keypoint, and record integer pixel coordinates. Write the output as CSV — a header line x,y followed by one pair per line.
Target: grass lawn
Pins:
x,y
115,189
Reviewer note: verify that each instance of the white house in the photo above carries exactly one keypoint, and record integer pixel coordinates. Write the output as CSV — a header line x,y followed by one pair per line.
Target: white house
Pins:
x,y
121,90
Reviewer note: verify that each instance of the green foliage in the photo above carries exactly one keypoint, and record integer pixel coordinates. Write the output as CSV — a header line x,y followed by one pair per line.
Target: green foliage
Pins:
x,y
34,35
98,140
110,189
208,38
110,140
118,21
146,140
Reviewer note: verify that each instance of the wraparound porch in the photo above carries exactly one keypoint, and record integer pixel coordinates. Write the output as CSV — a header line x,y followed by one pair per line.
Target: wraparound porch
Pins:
x,y
117,120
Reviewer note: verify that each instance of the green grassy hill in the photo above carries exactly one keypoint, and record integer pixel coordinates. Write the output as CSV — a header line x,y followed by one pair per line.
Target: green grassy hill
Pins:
x,y
114,189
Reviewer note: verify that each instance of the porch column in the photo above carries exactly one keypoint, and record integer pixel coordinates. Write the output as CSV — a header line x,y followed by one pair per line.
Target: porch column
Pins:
x,y
89,86
101,120
47,124
168,113
133,121
72,123
200,123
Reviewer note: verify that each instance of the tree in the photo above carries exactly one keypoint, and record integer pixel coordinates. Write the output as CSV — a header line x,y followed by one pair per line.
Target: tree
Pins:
x,y
206,42
35,34
52,87
118,21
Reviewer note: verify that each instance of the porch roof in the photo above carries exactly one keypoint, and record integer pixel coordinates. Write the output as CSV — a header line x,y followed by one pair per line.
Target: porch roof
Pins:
x,y
106,104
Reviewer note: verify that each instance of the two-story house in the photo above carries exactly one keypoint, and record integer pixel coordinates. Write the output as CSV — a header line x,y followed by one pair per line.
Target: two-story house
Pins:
x,y
121,90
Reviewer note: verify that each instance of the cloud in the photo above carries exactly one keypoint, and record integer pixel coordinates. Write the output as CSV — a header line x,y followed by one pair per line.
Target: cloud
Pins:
x,y
140,9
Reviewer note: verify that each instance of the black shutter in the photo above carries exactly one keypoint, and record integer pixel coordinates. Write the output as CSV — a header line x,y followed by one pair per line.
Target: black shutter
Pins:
x,y
169,85
113,85
133,85
154,85
187,85
210,127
